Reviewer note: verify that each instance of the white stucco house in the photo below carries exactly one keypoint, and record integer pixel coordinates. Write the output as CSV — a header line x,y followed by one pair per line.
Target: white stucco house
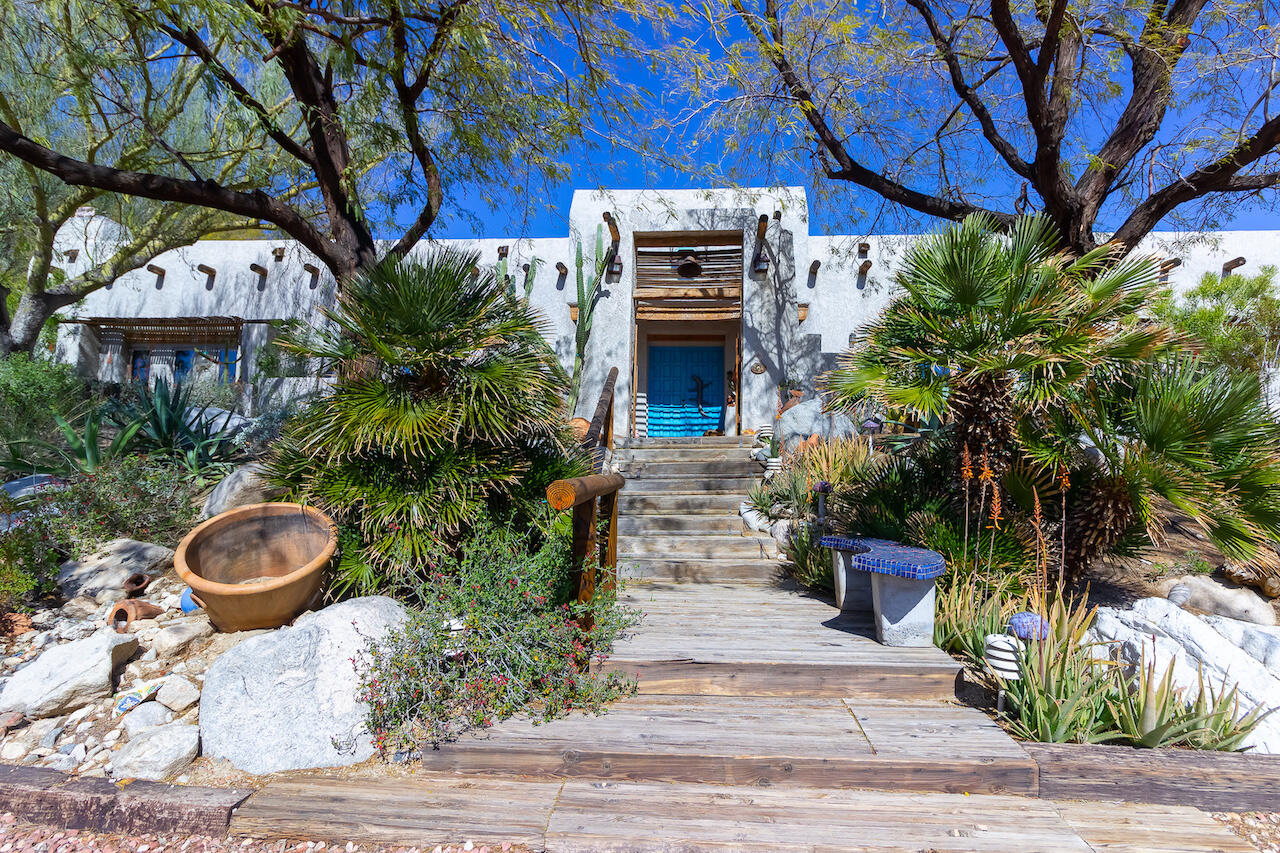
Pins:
x,y
719,303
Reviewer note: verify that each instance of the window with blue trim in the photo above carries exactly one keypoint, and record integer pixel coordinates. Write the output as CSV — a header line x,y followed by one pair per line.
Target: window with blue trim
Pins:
x,y
140,365
228,360
183,360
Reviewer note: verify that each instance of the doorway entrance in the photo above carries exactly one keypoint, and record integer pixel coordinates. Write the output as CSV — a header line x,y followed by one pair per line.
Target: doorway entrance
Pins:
x,y
685,390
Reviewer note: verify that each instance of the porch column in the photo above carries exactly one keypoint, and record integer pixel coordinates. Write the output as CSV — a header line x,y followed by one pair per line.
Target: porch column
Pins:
x,y
112,364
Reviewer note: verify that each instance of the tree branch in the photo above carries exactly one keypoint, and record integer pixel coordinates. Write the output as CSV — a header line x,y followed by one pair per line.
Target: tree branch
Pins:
x,y
254,205
1222,175
189,39
848,169
967,93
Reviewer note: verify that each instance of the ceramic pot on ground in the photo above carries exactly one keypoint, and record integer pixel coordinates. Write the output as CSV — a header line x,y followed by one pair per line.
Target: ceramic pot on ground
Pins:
x,y
257,566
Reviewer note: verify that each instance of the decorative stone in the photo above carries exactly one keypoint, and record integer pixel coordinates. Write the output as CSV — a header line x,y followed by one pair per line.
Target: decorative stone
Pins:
x,y
145,716
178,694
179,636
1223,599
67,677
102,576
244,486
1029,626
288,699
157,753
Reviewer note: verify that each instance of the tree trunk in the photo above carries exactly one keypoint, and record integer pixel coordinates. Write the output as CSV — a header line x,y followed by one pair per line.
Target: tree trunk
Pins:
x,y
24,329
982,409
1097,523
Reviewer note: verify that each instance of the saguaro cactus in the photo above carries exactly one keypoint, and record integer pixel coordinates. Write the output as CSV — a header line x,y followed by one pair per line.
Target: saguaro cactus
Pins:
x,y
587,298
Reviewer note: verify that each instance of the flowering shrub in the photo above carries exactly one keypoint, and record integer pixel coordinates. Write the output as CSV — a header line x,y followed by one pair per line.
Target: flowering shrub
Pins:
x,y
496,635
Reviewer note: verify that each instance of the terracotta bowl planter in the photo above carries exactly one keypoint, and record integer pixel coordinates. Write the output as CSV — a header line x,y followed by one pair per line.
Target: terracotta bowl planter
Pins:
x,y
257,566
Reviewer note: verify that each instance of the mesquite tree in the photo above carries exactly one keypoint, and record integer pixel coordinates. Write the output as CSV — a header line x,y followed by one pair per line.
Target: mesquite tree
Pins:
x,y
1108,115
43,97
372,107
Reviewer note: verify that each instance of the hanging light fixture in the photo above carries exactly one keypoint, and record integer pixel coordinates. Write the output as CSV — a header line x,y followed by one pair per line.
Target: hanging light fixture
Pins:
x,y
689,266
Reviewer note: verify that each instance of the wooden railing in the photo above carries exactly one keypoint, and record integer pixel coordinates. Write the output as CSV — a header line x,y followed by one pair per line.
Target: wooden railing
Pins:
x,y
590,497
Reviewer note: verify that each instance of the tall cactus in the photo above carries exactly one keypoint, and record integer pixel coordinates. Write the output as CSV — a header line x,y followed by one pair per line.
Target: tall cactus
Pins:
x,y
587,298
529,275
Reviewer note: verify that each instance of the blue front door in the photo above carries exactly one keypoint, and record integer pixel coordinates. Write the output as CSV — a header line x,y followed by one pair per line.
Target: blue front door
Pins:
x,y
686,390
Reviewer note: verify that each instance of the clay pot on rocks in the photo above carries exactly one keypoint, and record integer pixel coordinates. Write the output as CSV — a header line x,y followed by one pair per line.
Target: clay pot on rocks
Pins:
x,y
126,612
136,583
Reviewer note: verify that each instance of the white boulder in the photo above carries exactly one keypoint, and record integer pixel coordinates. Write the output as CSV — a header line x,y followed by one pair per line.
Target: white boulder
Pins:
x,y
178,693
1260,642
1222,599
178,637
1157,631
244,486
102,575
148,715
157,753
753,518
66,677
288,700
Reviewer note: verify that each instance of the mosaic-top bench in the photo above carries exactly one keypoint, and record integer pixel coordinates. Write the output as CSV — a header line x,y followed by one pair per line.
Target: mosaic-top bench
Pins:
x,y
893,581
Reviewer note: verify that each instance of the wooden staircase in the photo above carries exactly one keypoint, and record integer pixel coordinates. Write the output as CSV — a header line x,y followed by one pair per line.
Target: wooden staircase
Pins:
x,y
678,514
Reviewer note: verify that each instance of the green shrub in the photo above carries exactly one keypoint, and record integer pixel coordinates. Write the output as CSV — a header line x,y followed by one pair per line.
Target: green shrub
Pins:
x,y
496,634
32,392
810,563
131,497
448,403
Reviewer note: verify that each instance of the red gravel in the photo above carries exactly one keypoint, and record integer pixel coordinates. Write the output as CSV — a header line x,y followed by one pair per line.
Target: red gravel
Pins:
x,y
19,837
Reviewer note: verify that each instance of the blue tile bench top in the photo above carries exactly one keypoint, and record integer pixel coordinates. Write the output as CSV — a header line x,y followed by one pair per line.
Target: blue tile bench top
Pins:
x,y
883,557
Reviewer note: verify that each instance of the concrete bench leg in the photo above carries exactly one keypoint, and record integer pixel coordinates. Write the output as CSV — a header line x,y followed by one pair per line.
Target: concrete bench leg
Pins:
x,y
903,610
853,587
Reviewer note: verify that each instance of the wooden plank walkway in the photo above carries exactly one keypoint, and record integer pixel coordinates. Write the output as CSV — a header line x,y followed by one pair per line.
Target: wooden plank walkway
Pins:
x,y
853,743
726,640
577,816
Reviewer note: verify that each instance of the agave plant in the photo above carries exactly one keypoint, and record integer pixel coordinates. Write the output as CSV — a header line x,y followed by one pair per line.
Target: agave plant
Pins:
x,y
169,422
989,326
446,394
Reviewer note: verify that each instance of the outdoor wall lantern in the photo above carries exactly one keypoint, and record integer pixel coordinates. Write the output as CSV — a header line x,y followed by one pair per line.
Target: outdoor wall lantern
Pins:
x,y
689,267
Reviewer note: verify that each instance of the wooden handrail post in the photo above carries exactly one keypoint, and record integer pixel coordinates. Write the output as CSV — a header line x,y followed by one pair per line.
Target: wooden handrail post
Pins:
x,y
587,497
584,557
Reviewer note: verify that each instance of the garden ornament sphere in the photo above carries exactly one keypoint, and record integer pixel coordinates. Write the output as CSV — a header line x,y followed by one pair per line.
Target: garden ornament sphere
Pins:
x,y
1180,594
1028,626
1003,656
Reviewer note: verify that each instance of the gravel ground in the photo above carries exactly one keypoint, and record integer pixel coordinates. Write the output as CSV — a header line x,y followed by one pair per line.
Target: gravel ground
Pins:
x,y
1261,829
19,837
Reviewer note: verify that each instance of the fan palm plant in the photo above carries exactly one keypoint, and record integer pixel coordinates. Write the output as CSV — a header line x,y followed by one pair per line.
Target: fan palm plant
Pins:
x,y
1176,434
446,394
989,326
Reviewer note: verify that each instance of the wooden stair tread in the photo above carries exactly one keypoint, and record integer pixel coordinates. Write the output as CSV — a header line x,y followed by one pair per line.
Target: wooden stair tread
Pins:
x,y
738,740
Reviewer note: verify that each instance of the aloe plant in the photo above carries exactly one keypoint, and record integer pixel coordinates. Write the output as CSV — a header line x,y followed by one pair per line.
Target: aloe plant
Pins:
x,y
83,451
1156,713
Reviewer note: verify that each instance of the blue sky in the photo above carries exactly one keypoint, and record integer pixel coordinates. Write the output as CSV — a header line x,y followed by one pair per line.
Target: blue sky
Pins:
x,y
621,169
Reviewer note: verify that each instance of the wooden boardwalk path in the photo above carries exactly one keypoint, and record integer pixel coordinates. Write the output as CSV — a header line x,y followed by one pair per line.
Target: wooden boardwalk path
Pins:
x,y
577,816
727,640
765,721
